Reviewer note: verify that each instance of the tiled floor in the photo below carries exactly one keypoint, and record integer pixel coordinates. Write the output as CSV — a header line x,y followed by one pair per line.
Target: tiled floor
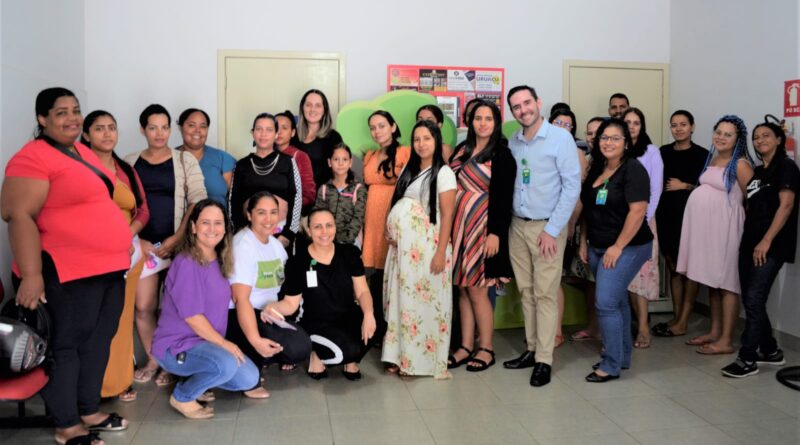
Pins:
x,y
671,396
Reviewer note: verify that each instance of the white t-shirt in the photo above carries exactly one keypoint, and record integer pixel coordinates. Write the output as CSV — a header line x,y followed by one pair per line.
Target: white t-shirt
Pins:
x,y
419,188
259,266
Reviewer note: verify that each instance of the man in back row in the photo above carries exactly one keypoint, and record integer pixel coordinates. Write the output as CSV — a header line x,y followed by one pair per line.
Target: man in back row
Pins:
x,y
618,104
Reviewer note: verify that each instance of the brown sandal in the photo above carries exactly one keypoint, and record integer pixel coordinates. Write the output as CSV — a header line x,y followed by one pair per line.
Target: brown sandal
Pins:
x,y
198,412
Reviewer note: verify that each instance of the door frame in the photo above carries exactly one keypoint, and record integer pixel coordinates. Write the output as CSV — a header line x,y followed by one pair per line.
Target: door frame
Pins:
x,y
664,302
222,81
663,67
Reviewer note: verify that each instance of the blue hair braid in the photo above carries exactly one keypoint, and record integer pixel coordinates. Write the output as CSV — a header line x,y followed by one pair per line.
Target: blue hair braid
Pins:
x,y
739,150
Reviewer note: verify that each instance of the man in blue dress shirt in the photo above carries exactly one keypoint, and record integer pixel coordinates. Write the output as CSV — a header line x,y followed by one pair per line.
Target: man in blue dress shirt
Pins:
x,y
546,190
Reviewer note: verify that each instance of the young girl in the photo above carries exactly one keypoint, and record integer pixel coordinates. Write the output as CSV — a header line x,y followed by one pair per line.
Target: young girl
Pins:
x,y
344,196
418,285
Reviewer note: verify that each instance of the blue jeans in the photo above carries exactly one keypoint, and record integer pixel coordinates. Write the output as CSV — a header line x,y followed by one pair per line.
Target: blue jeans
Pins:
x,y
611,301
756,283
209,366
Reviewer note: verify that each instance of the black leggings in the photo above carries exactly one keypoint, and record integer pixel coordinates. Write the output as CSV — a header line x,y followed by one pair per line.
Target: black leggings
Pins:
x,y
85,315
296,344
338,342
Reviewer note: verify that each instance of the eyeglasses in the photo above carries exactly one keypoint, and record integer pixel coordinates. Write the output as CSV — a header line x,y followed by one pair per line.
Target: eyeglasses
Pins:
x,y
563,124
613,139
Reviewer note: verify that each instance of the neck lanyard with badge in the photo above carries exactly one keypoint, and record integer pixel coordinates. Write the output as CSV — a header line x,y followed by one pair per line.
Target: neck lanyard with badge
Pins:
x,y
311,274
602,194
526,172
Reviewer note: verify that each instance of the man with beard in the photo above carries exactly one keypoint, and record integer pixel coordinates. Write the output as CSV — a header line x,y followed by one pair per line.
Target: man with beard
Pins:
x,y
546,189
618,104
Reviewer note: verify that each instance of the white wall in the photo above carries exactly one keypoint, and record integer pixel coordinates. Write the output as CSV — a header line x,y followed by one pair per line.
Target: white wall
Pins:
x,y
732,57
154,51
42,46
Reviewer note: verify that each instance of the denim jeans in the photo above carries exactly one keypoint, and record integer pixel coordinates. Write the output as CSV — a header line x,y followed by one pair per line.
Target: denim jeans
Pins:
x,y
756,283
611,301
209,366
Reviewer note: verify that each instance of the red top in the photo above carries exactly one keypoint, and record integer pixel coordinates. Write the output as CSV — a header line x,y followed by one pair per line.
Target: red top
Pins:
x,y
306,174
80,225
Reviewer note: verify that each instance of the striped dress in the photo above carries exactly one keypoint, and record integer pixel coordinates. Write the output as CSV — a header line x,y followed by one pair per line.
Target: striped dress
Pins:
x,y
470,225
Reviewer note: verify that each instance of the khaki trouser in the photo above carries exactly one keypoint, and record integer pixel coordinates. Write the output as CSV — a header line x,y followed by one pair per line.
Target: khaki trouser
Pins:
x,y
538,279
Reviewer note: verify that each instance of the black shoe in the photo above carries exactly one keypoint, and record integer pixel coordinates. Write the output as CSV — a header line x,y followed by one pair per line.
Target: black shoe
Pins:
x,y
526,360
318,375
595,378
740,368
540,375
776,358
596,366
352,376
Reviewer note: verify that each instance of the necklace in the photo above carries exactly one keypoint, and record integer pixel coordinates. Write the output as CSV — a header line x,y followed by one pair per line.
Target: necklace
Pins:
x,y
264,171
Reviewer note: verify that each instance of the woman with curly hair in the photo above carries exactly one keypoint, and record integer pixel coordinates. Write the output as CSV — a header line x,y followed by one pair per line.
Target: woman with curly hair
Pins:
x,y
709,253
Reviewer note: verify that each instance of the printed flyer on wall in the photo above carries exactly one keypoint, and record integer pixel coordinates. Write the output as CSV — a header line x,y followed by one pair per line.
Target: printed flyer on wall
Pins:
x,y
453,86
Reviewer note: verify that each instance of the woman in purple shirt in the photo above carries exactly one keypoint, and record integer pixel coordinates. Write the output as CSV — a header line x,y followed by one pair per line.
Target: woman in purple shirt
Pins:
x,y
645,287
190,338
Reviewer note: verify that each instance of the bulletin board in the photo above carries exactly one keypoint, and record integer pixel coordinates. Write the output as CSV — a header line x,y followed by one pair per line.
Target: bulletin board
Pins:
x,y
452,86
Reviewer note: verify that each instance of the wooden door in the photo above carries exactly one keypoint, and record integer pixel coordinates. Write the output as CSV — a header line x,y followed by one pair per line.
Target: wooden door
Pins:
x,y
253,82
588,85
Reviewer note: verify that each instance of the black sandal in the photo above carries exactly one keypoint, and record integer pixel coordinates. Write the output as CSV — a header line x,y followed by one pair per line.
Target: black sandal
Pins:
x,y
86,439
111,423
482,365
451,360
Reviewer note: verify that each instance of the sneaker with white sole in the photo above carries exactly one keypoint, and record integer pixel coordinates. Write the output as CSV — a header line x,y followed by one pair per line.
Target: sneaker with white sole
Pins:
x,y
740,368
776,358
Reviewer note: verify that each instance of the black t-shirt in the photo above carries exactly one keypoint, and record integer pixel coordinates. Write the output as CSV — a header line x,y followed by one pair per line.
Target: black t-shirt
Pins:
x,y
630,183
319,150
762,203
334,295
685,165
158,181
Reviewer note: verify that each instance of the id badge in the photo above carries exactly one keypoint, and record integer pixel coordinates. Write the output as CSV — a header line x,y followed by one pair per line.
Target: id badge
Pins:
x,y
526,176
602,194
311,278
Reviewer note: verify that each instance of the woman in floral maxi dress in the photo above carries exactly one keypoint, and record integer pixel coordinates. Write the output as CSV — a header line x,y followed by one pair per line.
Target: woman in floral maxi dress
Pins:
x,y
417,287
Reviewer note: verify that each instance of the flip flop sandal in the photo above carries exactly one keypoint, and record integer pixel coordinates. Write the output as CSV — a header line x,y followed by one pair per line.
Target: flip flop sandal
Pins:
x,y
114,422
583,334
452,363
127,396
709,350
144,375
482,365
391,368
289,367
699,341
164,379
641,343
659,326
667,332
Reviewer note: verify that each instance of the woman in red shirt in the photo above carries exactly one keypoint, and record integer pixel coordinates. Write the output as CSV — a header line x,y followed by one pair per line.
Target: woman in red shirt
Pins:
x,y
71,247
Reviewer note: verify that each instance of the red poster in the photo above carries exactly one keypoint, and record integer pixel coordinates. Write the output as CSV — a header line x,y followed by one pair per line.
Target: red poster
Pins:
x,y
791,98
453,86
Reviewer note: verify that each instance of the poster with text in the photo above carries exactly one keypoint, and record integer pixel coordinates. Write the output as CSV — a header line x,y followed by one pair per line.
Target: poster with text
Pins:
x,y
453,86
